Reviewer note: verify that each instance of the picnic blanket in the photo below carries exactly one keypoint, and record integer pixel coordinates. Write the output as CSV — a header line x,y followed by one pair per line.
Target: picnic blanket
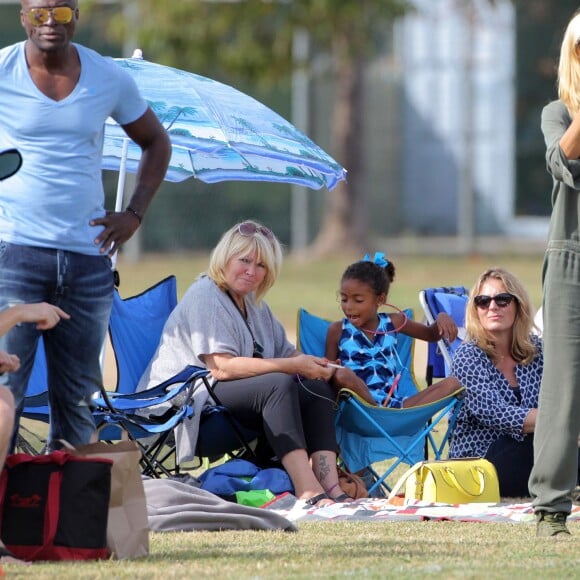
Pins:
x,y
181,506
375,510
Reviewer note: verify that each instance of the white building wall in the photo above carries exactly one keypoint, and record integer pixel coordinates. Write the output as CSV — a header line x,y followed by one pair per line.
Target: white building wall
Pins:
x,y
459,116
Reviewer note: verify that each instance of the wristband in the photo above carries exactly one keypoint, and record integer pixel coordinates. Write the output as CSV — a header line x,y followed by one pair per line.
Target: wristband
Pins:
x,y
133,212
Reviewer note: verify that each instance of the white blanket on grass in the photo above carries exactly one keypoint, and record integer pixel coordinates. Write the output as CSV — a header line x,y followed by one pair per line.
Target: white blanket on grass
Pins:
x,y
377,510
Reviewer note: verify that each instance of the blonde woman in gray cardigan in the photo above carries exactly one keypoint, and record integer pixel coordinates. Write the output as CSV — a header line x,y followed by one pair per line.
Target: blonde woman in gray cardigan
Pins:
x,y
223,324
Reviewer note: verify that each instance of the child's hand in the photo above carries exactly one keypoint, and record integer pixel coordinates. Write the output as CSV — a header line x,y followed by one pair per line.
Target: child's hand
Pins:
x,y
45,315
9,363
446,327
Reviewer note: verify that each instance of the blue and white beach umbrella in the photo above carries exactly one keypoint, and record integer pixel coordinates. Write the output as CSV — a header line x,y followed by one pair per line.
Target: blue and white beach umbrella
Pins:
x,y
217,133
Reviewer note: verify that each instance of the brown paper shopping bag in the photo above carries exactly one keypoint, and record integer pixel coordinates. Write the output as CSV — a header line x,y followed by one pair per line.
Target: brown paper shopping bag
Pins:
x,y
128,528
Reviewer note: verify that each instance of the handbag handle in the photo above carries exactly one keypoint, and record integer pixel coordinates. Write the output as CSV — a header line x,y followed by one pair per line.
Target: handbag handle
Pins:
x,y
52,512
476,472
403,479
95,439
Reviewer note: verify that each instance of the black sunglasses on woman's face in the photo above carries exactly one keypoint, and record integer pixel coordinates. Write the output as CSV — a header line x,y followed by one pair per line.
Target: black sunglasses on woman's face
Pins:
x,y
502,300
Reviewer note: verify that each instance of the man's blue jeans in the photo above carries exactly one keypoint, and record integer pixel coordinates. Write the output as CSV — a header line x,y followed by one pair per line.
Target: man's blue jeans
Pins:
x,y
83,287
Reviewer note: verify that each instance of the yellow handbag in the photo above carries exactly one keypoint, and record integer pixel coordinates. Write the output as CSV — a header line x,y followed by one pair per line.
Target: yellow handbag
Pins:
x,y
467,480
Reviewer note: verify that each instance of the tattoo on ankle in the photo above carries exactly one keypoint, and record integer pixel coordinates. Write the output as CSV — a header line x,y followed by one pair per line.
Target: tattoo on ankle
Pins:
x,y
323,467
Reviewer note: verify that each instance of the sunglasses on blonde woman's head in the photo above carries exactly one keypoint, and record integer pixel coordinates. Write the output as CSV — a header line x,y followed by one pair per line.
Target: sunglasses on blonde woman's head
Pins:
x,y
502,300
249,229
59,14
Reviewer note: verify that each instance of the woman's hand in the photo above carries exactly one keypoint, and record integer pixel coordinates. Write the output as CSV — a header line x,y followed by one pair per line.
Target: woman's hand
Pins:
x,y
446,327
313,367
530,421
225,367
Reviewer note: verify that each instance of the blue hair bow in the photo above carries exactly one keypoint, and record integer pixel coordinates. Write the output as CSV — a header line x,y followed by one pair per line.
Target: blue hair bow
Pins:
x,y
379,259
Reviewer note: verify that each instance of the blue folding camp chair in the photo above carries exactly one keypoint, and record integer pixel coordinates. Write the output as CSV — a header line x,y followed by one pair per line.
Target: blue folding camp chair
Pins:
x,y
368,434
452,300
35,405
135,330
148,312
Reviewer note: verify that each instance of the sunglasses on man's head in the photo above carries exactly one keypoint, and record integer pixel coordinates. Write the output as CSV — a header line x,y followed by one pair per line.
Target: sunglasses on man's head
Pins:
x,y
249,229
502,300
60,15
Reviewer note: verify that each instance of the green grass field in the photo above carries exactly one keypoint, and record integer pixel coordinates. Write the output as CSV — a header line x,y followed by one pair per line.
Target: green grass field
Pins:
x,y
342,549
339,550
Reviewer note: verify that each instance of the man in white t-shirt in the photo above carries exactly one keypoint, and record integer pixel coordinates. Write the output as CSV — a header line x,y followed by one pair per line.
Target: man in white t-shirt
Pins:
x,y
56,238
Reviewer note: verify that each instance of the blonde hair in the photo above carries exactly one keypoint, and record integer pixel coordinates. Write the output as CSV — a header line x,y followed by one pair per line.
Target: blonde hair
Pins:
x,y
569,66
233,244
522,349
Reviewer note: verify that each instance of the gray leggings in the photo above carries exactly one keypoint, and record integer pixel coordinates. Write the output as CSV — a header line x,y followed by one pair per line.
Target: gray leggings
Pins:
x,y
555,470
291,415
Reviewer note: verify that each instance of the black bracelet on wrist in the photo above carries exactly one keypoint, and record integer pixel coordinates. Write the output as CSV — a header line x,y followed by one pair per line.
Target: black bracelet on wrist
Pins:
x,y
133,212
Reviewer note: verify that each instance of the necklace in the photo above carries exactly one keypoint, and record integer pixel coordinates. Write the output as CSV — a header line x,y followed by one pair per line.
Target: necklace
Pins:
x,y
241,308
382,332
258,348
376,332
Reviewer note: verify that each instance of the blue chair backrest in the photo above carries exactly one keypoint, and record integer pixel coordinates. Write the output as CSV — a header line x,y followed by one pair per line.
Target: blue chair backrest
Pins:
x,y
453,301
311,339
38,381
135,329
311,333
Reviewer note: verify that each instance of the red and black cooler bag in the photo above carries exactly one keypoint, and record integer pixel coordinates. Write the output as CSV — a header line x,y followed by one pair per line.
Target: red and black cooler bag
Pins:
x,y
55,507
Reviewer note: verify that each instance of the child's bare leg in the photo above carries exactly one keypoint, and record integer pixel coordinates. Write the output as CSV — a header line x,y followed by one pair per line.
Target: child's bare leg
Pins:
x,y
344,378
433,392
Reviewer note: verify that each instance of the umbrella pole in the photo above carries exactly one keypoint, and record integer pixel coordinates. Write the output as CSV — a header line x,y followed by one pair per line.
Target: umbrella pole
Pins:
x,y
121,187
122,175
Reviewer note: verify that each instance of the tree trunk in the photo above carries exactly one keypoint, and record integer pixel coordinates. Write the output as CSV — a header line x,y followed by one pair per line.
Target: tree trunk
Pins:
x,y
344,225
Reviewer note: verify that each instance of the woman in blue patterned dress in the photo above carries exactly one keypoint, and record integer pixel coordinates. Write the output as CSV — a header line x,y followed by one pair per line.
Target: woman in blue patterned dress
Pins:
x,y
500,364
364,342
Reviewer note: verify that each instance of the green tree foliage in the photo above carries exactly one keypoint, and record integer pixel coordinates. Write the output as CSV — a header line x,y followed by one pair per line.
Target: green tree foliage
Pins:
x,y
252,40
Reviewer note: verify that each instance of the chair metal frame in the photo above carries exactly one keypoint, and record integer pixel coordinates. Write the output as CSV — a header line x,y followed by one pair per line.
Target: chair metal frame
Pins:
x,y
418,424
135,329
219,432
118,411
440,354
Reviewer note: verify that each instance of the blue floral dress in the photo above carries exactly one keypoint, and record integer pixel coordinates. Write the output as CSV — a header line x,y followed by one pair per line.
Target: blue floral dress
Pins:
x,y
492,407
